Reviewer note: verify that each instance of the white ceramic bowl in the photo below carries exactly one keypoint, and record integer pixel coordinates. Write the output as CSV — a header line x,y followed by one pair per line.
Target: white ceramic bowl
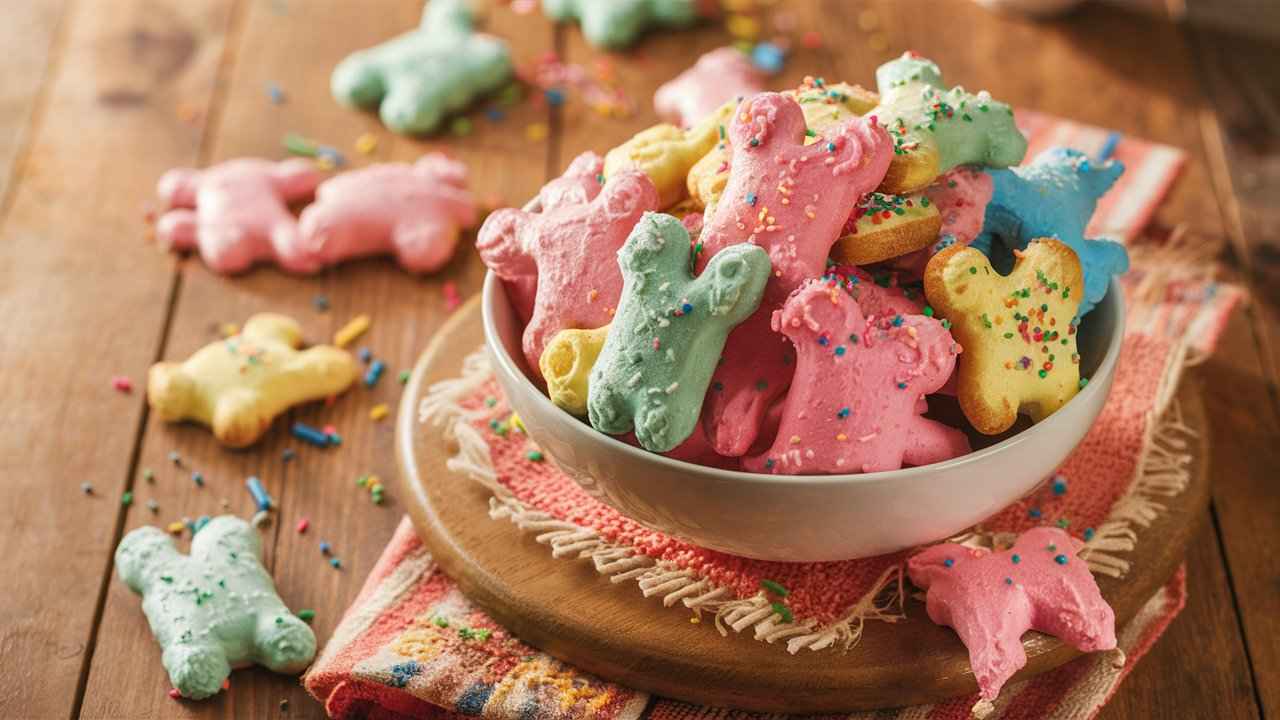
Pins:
x,y
804,518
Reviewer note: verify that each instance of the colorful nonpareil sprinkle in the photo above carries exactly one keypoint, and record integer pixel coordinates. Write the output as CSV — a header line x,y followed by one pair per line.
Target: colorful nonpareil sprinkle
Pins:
x,y
303,431
302,525
451,297
122,384
260,497
352,330
379,411
374,373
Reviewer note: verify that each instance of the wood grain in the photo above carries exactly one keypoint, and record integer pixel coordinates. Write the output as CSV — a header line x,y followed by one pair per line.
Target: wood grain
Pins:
x,y
29,37
83,304
566,610
294,50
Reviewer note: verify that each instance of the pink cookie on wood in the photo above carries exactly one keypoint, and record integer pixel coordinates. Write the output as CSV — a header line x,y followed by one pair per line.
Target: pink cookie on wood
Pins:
x,y
791,199
415,212
236,213
570,251
717,77
991,598
854,405
580,183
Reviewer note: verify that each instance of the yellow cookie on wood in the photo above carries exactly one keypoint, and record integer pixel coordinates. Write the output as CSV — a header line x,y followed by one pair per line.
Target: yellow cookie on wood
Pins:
x,y
666,153
238,385
566,364
825,107
887,226
1017,331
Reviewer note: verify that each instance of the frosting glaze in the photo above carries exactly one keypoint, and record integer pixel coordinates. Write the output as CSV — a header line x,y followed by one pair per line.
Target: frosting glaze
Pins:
x,y
992,598
935,128
565,249
418,78
719,76
859,382
656,364
239,384
1017,330
214,609
618,23
415,212
792,199
236,213
1055,196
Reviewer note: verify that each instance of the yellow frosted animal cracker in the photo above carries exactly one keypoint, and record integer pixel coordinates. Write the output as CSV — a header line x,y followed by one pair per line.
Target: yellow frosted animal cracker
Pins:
x,y
1017,330
238,385
666,153
566,364
825,107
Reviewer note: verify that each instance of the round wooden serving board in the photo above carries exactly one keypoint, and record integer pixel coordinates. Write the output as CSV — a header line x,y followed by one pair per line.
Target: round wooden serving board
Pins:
x,y
567,610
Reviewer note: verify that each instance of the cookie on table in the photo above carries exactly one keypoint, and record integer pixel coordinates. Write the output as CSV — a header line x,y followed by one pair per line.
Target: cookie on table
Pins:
x,y
717,77
239,384
615,24
1017,331
417,79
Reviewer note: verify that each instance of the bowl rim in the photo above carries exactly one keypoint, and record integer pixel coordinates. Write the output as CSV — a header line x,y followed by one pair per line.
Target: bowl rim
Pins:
x,y
1106,369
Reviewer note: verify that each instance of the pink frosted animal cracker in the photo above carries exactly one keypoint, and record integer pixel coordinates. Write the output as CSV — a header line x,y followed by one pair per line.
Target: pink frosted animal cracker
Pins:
x,y
991,598
718,76
415,212
569,251
854,404
580,183
791,199
236,213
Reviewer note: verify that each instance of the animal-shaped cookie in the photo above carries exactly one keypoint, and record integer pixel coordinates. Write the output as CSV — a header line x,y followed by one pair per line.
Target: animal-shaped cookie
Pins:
x,y
568,250
239,384
722,75
566,365
1055,196
418,78
579,184
653,372
215,609
416,212
858,383
236,213
1018,331
991,598
791,199
665,153
825,108
935,129
616,24
882,227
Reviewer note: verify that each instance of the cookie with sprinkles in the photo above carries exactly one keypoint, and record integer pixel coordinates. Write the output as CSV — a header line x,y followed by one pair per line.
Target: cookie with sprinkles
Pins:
x,y
1017,330
665,153
239,384
791,198
854,405
991,598
825,107
883,226
653,371
567,249
935,128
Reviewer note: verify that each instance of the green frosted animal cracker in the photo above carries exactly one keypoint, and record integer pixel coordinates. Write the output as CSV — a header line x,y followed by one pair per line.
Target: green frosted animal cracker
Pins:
x,y
669,331
214,609
418,78
617,23
935,129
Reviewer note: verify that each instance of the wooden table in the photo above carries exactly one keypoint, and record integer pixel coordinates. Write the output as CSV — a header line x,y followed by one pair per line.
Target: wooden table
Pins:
x,y
99,97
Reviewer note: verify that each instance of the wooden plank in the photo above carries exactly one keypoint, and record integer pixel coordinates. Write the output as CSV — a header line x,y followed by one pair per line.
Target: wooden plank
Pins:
x,y
1243,136
84,300
29,36
295,49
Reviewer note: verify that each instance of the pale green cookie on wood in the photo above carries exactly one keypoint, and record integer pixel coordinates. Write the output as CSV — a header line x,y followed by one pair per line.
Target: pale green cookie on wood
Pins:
x,y
617,23
668,332
214,609
935,128
418,78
